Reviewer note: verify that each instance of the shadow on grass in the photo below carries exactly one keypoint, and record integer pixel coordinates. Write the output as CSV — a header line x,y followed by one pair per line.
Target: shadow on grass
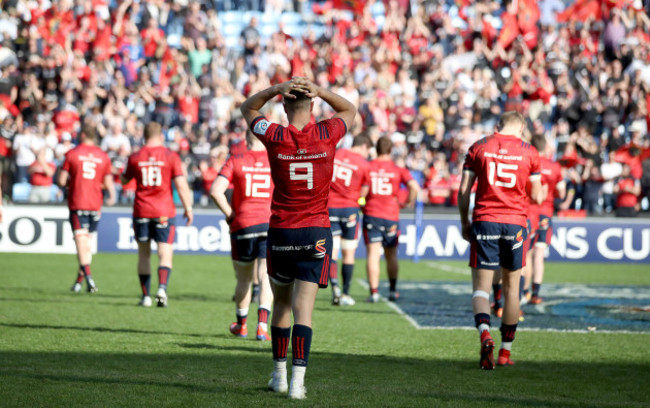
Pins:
x,y
97,329
217,377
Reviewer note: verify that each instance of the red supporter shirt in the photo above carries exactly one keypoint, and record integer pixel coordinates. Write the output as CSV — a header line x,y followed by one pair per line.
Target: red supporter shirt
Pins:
x,y
209,176
250,175
503,165
350,174
154,168
551,176
39,178
623,198
302,164
385,180
87,166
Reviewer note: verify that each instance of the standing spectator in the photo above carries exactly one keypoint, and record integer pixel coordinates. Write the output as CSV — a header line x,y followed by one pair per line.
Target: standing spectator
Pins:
x,y
41,173
609,171
627,190
24,153
115,140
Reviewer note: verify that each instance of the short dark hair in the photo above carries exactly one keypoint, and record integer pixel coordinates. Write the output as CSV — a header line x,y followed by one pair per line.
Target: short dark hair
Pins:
x,y
152,129
539,141
384,145
301,101
361,140
510,118
89,132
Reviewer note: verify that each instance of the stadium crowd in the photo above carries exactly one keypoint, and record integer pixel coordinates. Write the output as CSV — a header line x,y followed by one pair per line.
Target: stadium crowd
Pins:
x,y
432,75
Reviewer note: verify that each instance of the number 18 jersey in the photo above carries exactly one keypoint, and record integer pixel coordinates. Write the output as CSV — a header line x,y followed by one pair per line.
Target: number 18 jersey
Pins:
x,y
301,168
154,168
503,165
250,175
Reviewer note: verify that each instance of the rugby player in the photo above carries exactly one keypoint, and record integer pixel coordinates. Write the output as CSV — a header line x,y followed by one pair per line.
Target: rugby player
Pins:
x,y
381,216
349,183
502,164
154,168
299,244
248,218
86,169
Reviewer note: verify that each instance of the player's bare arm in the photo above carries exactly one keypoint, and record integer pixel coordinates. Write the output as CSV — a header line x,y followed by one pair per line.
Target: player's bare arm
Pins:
x,y
536,190
218,194
464,194
109,185
414,189
62,180
250,109
186,197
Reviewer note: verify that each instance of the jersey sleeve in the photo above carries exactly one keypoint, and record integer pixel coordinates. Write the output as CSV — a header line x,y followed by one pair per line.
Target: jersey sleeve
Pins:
x,y
66,162
260,128
129,171
365,175
406,176
228,169
470,160
177,169
535,167
334,129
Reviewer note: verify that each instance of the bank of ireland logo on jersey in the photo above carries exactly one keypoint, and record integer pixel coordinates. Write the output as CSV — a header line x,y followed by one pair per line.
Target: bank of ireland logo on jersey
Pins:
x,y
261,126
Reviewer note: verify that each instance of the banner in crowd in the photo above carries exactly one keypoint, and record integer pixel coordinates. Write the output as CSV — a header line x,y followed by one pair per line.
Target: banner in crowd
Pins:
x,y
45,229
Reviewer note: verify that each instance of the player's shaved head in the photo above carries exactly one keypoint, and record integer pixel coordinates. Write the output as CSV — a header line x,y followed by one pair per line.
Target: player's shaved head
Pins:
x,y
89,133
510,119
362,140
384,146
151,130
539,141
300,103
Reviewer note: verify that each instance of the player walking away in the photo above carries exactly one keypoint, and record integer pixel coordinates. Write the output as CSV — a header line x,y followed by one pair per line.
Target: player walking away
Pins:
x,y
248,217
381,216
551,176
154,168
502,164
349,183
85,171
300,240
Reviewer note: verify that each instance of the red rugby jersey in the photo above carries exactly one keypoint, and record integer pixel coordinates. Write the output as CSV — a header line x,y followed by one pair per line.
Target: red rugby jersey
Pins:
x,y
503,164
551,175
87,166
350,174
385,180
302,164
250,175
154,169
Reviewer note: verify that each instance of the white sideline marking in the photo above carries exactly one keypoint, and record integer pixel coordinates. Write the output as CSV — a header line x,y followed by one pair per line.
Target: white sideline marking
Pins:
x,y
448,268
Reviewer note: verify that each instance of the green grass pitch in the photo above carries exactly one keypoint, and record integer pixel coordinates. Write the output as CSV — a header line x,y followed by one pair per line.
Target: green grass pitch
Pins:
x,y
59,349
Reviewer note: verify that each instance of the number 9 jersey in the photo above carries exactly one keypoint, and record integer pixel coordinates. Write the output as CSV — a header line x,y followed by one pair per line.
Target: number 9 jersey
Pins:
x,y
250,175
503,165
154,169
301,167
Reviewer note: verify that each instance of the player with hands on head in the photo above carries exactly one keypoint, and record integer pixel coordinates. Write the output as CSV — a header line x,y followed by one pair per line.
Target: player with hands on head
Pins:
x,y
155,168
85,171
503,166
299,244
248,218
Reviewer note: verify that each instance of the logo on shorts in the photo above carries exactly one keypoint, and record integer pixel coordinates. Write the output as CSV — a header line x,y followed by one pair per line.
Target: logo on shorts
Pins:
x,y
543,224
519,239
162,221
320,248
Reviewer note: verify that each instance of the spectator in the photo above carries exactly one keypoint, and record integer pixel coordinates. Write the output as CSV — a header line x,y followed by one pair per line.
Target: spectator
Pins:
x,y
627,190
610,171
41,173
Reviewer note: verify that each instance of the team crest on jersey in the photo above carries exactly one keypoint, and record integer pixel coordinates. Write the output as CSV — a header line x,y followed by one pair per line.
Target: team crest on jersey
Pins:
x,y
503,151
302,151
259,164
261,126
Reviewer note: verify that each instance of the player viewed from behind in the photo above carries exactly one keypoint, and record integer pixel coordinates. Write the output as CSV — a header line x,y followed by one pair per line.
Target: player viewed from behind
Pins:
x,y
248,218
554,185
502,164
154,167
349,180
300,240
381,216
85,171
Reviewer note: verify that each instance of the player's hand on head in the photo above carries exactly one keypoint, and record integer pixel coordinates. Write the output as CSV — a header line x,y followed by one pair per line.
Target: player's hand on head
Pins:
x,y
285,89
306,86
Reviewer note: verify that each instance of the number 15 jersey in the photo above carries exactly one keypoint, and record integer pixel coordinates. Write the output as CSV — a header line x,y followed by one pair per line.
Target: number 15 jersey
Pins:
x,y
503,165
154,168
302,164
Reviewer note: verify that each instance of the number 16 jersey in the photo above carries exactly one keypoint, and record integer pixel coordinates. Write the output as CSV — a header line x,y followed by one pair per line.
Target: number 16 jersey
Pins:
x,y
153,168
301,167
503,165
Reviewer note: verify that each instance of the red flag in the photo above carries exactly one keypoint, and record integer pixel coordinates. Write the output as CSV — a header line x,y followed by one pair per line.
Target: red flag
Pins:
x,y
581,10
509,30
356,6
528,15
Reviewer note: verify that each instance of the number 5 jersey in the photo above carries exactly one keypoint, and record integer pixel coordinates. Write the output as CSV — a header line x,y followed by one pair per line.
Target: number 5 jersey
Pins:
x,y
87,166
